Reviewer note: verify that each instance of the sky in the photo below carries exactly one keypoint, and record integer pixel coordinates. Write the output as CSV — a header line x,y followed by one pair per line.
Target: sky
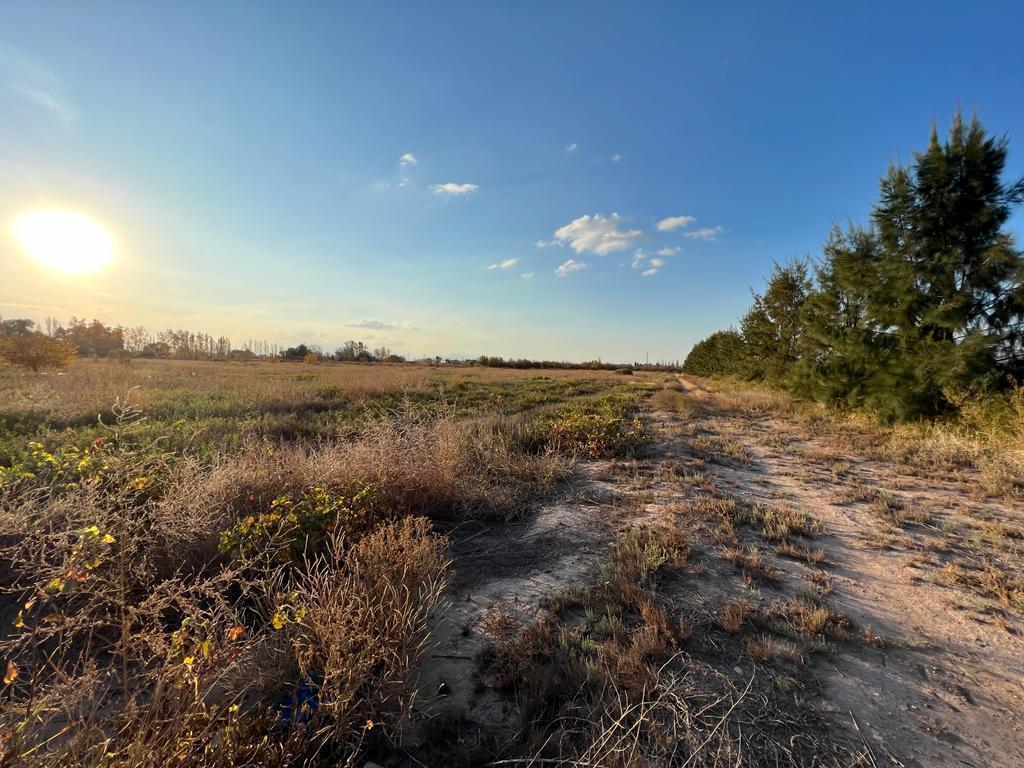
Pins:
x,y
568,180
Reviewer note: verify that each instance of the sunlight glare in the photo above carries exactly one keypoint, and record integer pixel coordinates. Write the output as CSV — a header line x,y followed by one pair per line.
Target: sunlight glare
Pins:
x,y
63,240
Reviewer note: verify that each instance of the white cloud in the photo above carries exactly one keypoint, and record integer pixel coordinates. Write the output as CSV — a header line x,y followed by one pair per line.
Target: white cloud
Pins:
x,y
641,260
707,233
675,222
597,234
668,251
34,83
569,266
50,103
381,325
572,148
616,157
405,163
378,325
528,275
548,243
453,189
505,264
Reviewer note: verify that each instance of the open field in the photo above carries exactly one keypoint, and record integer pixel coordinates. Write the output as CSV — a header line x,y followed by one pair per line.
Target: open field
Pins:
x,y
288,564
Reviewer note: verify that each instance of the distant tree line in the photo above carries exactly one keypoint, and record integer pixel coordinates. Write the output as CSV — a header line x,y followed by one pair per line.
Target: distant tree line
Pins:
x,y
592,365
349,352
94,339
904,314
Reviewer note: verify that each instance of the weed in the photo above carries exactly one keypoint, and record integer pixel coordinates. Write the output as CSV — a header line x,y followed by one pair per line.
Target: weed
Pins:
x,y
803,553
777,523
734,613
752,563
809,615
675,402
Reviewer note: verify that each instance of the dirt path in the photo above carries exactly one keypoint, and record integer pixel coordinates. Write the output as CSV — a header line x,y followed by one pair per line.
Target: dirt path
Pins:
x,y
512,569
948,688
938,680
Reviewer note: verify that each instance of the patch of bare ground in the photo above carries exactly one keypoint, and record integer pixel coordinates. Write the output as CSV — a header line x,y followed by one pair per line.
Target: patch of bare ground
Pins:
x,y
640,621
755,589
927,569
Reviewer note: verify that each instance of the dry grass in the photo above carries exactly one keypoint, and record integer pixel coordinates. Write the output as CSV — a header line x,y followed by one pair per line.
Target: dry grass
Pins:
x,y
734,613
675,402
802,553
88,387
983,442
780,521
988,580
894,511
810,616
745,397
602,680
152,649
261,603
767,648
720,449
821,582
752,563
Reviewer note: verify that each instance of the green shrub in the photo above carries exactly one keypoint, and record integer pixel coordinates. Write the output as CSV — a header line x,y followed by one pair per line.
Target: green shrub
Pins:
x,y
294,527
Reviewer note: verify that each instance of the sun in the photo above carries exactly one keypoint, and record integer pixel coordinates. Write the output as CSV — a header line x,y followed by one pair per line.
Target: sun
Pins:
x,y
66,241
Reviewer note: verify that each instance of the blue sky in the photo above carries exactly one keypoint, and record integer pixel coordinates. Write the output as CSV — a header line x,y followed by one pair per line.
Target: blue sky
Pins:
x,y
247,159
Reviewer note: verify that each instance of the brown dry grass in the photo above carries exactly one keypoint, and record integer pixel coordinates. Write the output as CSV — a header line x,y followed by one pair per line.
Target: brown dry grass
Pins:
x,y
603,680
809,615
752,563
169,610
674,401
88,387
734,613
983,441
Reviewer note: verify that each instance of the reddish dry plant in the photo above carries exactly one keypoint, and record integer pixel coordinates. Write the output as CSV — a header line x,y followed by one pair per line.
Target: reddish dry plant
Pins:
x,y
734,613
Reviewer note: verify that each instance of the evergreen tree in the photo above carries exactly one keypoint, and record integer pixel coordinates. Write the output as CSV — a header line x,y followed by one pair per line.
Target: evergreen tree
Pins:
x,y
949,287
840,349
773,325
721,353
925,303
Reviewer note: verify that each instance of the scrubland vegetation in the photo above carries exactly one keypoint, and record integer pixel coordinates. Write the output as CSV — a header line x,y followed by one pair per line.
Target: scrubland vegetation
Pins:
x,y
223,564
213,563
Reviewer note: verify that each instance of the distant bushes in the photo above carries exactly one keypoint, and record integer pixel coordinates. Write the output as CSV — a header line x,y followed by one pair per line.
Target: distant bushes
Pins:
x,y
904,316
22,346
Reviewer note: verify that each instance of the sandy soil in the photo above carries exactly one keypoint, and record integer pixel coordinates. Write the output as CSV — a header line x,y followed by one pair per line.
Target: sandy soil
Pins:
x,y
946,685
949,691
